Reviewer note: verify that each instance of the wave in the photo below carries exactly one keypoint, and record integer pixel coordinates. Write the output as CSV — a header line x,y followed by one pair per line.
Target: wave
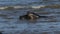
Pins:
x,y
27,7
19,7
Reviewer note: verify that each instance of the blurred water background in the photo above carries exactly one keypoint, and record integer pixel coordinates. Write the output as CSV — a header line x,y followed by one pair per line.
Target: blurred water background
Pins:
x,y
10,10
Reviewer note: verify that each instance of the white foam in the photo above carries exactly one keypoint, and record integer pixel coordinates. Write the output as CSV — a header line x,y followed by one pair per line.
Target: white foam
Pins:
x,y
17,7
37,7
2,8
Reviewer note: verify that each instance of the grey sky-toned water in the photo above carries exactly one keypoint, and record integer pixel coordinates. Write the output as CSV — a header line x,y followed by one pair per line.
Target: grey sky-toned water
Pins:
x,y
10,23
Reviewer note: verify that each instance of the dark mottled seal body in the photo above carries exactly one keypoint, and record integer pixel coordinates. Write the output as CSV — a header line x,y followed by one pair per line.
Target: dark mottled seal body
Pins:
x,y
31,15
